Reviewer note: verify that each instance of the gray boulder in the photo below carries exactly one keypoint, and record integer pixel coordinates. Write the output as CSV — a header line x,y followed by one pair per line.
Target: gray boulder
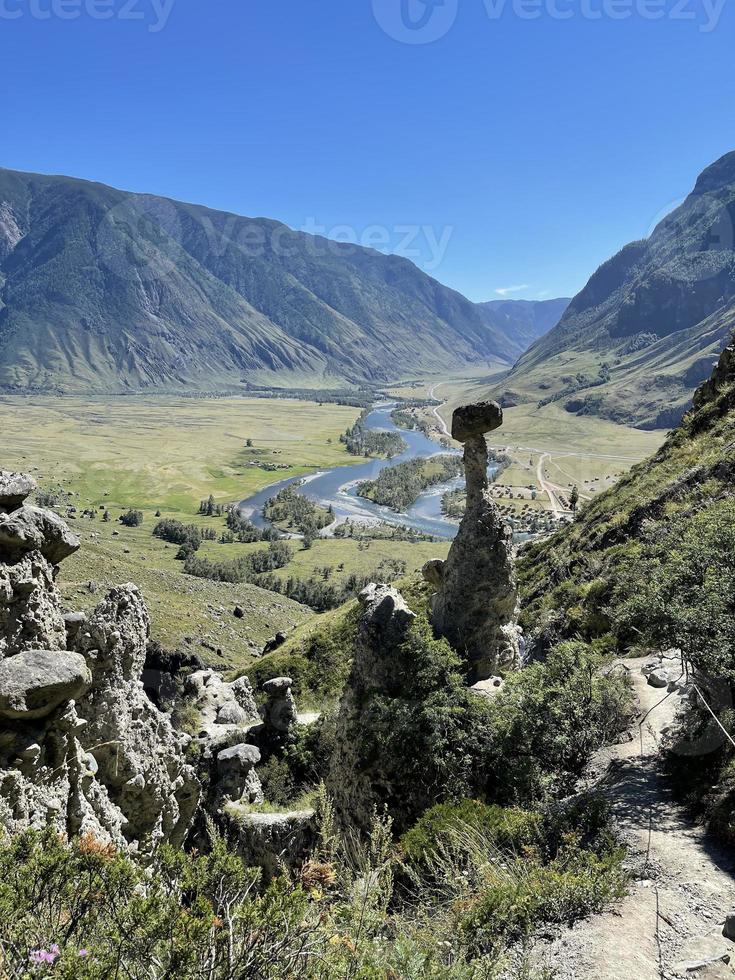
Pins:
x,y
35,682
238,780
239,758
471,421
14,488
32,529
277,686
231,714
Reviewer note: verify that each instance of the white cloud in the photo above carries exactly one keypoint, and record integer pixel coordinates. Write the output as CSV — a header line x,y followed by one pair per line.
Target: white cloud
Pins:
x,y
505,290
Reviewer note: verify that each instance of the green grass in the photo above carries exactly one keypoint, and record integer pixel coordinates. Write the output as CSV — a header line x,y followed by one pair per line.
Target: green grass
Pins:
x,y
184,610
168,454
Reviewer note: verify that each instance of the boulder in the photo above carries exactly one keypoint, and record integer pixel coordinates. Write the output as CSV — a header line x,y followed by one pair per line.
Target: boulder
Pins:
x,y
238,612
238,780
231,714
476,420
32,529
34,683
433,572
278,686
14,488
662,676
274,643
728,929
488,688
280,717
239,758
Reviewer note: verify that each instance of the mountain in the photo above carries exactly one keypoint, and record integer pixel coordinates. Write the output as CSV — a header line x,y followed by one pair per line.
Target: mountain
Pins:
x,y
102,290
524,320
648,326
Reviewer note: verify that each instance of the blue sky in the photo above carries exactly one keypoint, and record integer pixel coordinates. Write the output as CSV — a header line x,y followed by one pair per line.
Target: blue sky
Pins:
x,y
515,151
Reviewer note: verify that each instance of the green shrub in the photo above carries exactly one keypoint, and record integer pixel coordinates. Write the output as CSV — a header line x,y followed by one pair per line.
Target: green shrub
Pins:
x,y
507,827
548,720
527,893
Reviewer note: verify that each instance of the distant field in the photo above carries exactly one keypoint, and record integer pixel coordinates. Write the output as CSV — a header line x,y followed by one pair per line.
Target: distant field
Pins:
x,y
587,451
156,454
168,453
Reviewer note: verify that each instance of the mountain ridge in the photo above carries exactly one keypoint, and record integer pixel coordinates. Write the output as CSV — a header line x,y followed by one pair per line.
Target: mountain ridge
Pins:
x,y
650,323
105,289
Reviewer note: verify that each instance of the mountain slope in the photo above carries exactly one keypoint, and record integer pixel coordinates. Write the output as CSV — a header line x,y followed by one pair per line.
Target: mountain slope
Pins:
x,y
105,290
648,326
524,320
650,565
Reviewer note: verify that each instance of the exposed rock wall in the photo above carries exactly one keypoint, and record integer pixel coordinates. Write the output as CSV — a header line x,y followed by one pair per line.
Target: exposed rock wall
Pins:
x,y
82,748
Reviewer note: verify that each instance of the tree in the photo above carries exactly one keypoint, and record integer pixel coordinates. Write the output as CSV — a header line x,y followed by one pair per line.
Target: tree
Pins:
x,y
133,518
574,499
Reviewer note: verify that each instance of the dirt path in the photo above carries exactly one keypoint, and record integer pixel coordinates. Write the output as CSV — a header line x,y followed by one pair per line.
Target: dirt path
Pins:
x,y
435,411
547,488
683,888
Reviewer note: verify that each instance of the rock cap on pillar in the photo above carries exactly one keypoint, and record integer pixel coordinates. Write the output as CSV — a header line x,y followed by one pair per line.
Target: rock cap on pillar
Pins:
x,y
476,420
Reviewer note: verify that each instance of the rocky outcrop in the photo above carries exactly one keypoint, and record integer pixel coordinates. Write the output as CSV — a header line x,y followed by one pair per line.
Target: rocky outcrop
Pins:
x,y
354,785
82,748
476,599
280,717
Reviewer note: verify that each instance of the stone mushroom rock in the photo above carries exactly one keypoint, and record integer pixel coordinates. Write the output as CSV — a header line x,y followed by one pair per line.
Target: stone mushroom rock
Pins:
x,y
82,748
476,598
280,717
475,420
236,771
35,682
140,757
14,488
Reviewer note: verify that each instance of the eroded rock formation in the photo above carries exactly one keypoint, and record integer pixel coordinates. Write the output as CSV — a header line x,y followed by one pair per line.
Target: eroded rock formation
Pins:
x,y
82,748
476,598
383,626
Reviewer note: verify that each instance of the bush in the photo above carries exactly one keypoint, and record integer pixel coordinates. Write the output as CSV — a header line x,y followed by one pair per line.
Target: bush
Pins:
x,y
509,828
527,893
679,588
81,910
132,518
177,533
548,720
429,731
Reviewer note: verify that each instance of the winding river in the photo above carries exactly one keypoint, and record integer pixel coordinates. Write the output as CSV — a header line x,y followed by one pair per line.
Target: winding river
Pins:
x,y
338,487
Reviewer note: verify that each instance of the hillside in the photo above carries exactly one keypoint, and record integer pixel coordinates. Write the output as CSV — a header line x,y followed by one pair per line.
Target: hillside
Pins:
x,y
525,320
649,566
648,326
101,290
591,577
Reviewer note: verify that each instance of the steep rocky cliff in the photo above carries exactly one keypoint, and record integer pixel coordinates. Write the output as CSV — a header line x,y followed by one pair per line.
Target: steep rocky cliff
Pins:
x,y
82,748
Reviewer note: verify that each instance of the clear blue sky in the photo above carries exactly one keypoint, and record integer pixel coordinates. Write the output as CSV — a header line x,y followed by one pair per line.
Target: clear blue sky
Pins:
x,y
539,146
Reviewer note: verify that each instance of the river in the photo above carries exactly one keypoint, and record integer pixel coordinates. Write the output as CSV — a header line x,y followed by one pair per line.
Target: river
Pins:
x,y
337,487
